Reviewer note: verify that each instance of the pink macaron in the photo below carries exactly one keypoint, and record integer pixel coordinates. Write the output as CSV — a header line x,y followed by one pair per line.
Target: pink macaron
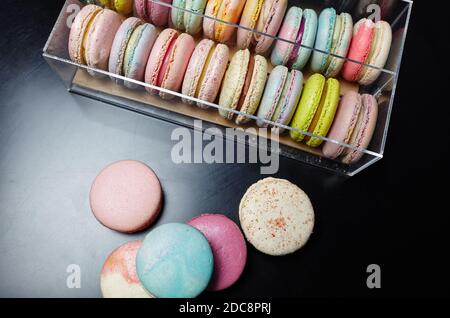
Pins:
x,y
168,61
126,196
92,35
152,12
205,71
269,22
119,278
359,51
228,246
354,125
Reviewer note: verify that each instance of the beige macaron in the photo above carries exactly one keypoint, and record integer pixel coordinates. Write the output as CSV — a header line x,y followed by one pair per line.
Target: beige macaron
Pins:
x,y
276,216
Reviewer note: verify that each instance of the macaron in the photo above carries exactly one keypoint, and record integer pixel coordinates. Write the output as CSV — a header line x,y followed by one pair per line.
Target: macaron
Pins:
x,y
118,278
126,196
281,96
289,100
175,261
185,20
248,21
324,116
168,61
316,110
299,26
360,49
92,35
354,125
153,12
342,36
228,247
243,85
276,216
269,23
324,40
205,72
379,53
223,10
131,49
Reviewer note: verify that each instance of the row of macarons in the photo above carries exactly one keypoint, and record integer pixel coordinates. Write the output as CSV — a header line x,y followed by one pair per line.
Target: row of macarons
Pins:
x,y
173,62
207,252
333,36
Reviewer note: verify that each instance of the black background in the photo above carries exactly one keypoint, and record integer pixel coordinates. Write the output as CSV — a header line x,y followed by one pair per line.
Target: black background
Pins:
x,y
53,143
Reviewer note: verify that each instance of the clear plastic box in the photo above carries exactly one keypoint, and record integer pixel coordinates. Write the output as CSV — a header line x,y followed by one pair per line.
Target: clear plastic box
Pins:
x,y
97,84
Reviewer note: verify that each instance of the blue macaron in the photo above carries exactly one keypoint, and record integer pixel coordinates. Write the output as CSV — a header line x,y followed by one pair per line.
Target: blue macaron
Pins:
x,y
324,39
175,261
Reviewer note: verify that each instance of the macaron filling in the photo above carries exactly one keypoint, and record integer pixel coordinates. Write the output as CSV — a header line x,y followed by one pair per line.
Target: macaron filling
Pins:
x,y
166,61
248,81
204,71
91,19
131,49
298,41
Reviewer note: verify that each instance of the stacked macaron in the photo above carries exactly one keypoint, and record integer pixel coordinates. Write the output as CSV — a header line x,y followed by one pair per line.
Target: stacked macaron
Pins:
x,y
185,20
131,48
243,86
264,17
168,62
92,35
316,110
153,12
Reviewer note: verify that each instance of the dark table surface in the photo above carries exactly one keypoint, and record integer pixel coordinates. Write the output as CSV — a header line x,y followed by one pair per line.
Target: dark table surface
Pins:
x,y
53,143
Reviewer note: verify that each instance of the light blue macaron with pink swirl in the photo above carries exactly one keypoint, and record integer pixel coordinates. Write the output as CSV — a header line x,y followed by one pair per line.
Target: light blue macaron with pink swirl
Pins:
x,y
175,261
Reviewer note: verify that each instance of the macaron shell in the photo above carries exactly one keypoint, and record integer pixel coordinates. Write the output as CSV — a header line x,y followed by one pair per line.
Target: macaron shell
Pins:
x,y
138,51
157,56
327,20
77,32
341,43
195,68
272,94
211,10
100,38
289,99
158,13
256,89
178,62
289,31
269,22
118,278
229,11
233,83
364,129
140,10
249,18
276,224
228,246
175,261
177,15
126,196
120,43
193,22
309,102
309,37
359,49
379,53
343,125
325,113
215,71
